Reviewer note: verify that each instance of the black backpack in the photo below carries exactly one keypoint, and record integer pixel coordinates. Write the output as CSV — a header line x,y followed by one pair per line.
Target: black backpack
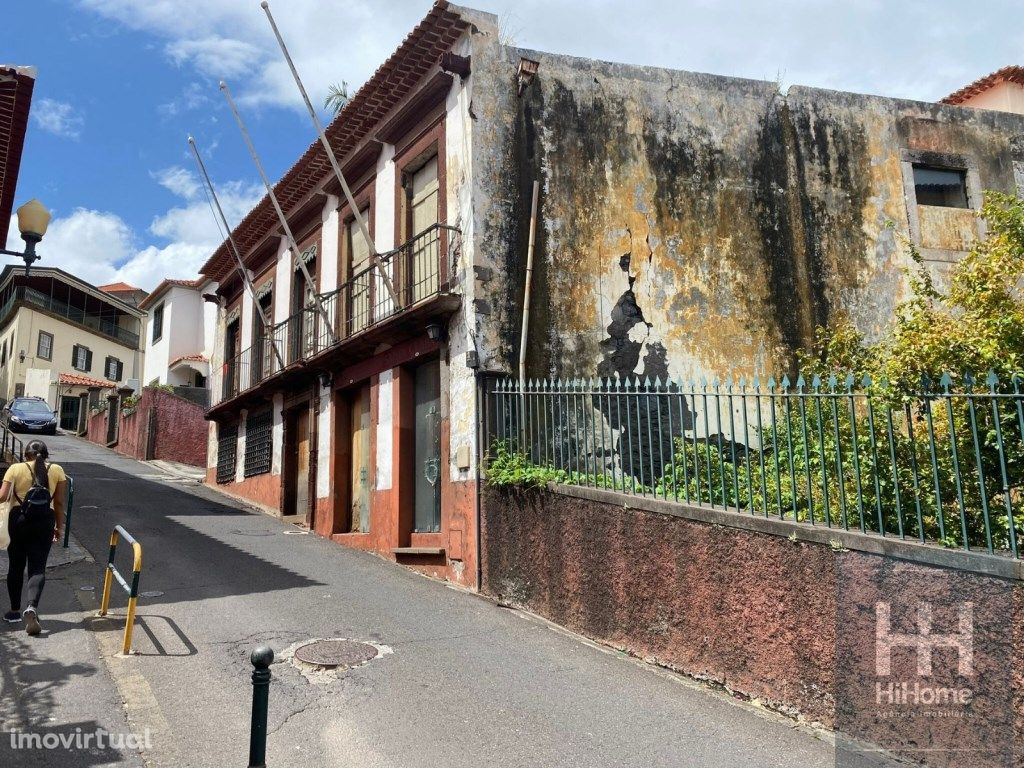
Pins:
x,y
38,497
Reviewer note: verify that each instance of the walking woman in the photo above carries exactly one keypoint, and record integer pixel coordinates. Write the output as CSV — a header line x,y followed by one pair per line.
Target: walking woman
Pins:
x,y
36,521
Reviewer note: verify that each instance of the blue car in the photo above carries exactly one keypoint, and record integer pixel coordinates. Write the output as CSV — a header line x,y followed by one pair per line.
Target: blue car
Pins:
x,y
30,414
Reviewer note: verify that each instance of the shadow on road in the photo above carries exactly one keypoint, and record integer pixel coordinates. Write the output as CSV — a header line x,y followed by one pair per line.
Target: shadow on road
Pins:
x,y
181,562
30,691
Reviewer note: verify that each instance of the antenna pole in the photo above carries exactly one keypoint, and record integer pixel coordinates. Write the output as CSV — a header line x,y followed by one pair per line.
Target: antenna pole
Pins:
x,y
360,220
280,213
234,247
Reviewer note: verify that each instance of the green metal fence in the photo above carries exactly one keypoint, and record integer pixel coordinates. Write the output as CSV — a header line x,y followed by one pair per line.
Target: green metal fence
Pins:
x,y
943,463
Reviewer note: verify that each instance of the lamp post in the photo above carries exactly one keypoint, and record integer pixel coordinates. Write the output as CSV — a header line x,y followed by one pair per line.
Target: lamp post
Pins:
x,y
33,219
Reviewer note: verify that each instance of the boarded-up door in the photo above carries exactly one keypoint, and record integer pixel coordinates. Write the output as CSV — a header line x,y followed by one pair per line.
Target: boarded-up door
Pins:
x,y
425,246
301,422
427,486
359,480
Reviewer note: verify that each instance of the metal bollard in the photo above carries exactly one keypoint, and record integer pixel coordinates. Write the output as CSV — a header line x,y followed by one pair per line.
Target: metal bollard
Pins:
x,y
261,659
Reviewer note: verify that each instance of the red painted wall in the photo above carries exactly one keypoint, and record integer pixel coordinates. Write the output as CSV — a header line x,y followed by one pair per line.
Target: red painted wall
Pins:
x,y
789,623
180,429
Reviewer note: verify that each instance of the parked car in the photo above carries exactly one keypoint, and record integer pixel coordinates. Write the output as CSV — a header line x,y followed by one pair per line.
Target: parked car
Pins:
x,y
29,414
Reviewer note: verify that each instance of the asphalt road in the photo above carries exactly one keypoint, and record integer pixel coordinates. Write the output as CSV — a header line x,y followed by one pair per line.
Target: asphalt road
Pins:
x,y
462,681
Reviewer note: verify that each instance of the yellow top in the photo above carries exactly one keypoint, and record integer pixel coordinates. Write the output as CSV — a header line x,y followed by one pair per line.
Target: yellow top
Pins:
x,y
20,475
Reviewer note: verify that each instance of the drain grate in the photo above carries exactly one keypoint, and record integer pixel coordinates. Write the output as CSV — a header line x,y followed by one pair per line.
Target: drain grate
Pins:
x,y
336,653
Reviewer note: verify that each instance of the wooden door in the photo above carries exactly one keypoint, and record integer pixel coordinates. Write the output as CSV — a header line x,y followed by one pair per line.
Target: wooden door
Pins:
x,y
302,462
427,462
359,478
424,267
69,409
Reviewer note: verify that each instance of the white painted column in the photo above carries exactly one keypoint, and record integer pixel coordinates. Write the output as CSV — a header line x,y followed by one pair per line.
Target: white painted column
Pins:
x,y
329,245
277,435
283,282
385,423
243,418
323,444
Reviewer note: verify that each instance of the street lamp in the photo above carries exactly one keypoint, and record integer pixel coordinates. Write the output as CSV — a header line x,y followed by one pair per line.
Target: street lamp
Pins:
x,y
33,219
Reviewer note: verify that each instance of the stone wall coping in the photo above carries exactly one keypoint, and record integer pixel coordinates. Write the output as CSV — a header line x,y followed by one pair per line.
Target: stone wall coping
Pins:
x,y
836,538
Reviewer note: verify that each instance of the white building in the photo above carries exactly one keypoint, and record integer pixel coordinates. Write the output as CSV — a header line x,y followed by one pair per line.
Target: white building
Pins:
x,y
179,333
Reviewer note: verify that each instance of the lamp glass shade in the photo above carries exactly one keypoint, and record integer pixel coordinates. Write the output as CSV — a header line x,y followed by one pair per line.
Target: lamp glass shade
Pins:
x,y
33,218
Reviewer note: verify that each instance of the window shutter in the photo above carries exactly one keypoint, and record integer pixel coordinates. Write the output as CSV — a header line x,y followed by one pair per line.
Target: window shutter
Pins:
x,y
120,370
74,356
88,360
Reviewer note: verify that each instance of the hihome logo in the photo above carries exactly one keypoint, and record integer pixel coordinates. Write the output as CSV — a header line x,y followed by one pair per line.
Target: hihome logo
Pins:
x,y
925,642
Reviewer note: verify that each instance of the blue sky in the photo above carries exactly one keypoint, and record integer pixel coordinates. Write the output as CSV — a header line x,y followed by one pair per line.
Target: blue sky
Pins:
x,y
122,82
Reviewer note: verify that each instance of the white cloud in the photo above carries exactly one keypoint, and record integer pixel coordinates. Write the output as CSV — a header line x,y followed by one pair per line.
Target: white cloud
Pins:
x,y
99,247
215,54
57,117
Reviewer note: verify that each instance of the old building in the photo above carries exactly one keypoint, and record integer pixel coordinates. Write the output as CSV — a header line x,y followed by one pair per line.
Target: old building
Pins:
x,y
63,340
179,336
689,224
16,86
1001,90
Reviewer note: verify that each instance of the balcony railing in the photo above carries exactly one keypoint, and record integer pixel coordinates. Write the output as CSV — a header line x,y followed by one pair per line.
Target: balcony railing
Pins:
x,y
101,325
417,270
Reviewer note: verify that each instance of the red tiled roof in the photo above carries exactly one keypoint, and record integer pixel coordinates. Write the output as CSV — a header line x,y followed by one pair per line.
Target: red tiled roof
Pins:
x,y
1011,74
190,359
77,380
15,98
391,83
167,283
118,288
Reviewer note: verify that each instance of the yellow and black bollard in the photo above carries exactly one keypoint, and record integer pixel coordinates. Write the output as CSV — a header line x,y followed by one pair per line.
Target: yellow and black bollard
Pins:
x,y
132,589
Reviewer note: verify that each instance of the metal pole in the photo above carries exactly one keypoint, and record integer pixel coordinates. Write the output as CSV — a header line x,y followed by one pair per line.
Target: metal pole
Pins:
x,y
363,228
234,247
261,659
529,281
280,213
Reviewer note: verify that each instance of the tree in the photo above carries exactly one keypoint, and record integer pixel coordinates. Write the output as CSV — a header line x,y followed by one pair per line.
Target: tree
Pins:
x,y
337,97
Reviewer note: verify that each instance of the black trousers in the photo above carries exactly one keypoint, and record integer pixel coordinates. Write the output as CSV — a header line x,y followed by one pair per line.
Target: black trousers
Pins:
x,y
31,538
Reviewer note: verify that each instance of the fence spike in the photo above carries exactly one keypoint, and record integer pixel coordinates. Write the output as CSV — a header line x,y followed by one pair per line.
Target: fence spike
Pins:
x,y
771,383
657,383
743,382
946,382
816,382
785,383
728,383
866,381
647,382
992,380
833,382
926,382
1015,380
849,382
969,381
800,383
757,383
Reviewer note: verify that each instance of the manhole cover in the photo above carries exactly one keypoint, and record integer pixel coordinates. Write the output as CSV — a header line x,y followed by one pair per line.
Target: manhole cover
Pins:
x,y
336,653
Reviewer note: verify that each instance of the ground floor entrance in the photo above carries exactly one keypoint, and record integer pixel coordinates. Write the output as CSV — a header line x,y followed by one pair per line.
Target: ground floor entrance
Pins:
x,y
70,412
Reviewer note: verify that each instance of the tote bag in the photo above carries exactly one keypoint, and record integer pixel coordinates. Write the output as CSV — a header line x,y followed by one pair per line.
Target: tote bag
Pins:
x,y
5,521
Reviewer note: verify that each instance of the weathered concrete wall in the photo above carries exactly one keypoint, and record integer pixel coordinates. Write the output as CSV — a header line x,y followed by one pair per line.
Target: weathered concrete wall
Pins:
x,y
695,224
786,621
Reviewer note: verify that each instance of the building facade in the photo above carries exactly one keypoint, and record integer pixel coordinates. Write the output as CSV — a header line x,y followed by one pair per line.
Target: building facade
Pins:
x,y
64,340
180,327
688,225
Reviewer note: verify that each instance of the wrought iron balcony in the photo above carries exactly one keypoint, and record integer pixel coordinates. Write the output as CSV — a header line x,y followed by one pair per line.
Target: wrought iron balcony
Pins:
x,y
93,321
418,271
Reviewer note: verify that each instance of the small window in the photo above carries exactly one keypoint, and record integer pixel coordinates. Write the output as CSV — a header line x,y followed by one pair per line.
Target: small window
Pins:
x,y
44,347
113,369
81,358
158,322
943,187
258,443
227,452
